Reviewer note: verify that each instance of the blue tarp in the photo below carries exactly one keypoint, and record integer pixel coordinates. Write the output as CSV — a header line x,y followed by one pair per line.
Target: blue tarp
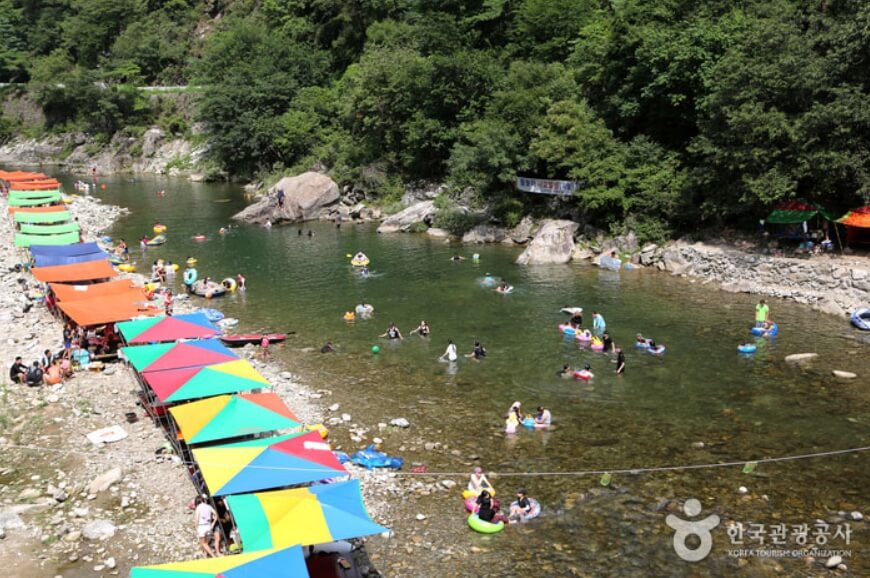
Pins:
x,y
53,260
65,250
52,255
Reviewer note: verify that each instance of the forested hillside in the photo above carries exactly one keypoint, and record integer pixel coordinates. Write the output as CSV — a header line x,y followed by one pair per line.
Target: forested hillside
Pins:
x,y
669,112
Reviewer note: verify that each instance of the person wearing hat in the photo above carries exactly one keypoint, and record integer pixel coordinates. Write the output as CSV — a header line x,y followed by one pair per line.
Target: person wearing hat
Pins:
x,y
478,481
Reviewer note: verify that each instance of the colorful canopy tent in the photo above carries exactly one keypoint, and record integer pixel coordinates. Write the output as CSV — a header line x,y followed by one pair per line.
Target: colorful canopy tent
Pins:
x,y
267,463
53,255
229,416
48,209
303,516
174,385
111,309
35,185
95,290
23,216
23,240
34,194
188,326
50,229
43,200
793,212
284,563
165,356
75,273
857,223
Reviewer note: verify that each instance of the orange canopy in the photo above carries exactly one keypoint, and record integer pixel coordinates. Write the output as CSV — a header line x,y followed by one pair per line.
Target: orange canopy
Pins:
x,y
11,176
48,209
109,309
39,185
88,271
109,288
857,218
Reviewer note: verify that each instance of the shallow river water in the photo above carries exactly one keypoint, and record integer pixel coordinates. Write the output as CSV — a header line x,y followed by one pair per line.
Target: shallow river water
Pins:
x,y
701,391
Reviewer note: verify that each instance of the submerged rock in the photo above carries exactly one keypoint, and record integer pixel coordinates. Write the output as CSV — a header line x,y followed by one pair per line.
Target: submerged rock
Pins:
x,y
844,374
304,197
800,357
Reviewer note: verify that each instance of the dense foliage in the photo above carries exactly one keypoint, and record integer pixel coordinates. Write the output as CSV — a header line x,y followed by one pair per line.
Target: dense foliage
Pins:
x,y
669,112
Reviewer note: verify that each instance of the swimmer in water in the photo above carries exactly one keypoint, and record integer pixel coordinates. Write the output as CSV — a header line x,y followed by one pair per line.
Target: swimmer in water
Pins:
x,y
392,332
566,371
422,330
457,258
222,231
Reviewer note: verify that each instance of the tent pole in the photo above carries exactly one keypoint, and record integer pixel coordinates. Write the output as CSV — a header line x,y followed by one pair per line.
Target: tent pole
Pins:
x,y
839,242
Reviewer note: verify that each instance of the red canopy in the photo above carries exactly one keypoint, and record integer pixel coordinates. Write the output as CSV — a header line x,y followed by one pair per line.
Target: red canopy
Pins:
x,y
185,355
88,271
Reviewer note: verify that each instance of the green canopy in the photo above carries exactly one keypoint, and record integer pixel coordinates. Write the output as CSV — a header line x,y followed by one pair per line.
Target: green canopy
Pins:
x,y
19,195
55,217
50,229
51,197
793,212
23,240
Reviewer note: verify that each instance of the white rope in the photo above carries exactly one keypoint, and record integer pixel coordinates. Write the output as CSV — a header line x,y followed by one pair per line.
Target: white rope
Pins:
x,y
594,472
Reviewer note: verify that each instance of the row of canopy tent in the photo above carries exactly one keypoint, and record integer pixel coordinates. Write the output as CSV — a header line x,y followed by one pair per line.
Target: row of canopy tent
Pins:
x,y
800,211
78,275
245,444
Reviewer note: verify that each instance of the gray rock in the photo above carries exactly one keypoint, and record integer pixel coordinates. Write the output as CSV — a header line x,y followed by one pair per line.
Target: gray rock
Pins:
x,y
10,520
833,561
582,253
858,274
105,480
554,243
437,233
99,530
403,221
844,374
29,494
400,422
522,233
485,234
72,537
305,196
800,357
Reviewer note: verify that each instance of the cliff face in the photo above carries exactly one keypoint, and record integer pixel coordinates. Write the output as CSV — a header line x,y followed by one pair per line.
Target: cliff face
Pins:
x,y
305,197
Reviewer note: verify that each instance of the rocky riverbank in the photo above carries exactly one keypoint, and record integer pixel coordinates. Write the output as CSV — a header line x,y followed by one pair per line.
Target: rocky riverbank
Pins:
x,y
69,507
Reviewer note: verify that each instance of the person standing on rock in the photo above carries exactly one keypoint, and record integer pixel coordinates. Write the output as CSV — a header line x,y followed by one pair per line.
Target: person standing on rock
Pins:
x,y
205,518
280,198
762,310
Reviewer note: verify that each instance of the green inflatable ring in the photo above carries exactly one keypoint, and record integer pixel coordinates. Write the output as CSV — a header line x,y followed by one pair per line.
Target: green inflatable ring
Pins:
x,y
479,525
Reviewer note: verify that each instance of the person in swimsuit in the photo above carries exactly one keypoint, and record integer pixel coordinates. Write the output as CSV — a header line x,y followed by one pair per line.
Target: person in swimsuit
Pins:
x,y
450,352
620,359
608,342
566,371
522,508
392,332
478,353
478,483
422,330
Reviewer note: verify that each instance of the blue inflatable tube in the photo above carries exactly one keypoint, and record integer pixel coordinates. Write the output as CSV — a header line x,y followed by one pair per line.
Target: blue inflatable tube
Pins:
x,y
657,350
760,331
641,344
747,348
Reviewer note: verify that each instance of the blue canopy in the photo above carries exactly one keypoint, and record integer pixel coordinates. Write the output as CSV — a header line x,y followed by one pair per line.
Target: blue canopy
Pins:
x,y
53,255
65,250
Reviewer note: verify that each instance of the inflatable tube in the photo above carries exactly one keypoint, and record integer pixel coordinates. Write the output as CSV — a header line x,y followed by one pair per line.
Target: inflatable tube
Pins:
x,y
761,332
190,276
228,322
469,494
230,284
152,286
571,310
641,344
158,240
470,503
657,350
319,428
106,239
115,260
173,267
567,329
360,262
747,348
199,237
597,346
584,336
584,375
209,290
758,331
479,525
510,289
127,267
192,261
212,315
529,422
488,281
860,318
159,229
534,513
349,316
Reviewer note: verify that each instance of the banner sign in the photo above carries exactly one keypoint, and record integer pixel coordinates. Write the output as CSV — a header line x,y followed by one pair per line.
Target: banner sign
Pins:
x,y
547,187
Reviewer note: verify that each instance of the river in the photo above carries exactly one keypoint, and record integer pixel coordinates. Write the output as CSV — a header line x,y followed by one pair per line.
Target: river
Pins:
x,y
657,414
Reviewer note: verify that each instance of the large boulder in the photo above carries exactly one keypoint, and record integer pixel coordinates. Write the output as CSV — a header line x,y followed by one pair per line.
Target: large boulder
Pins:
x,y
522,233
403,221
305,196
554,243
485,234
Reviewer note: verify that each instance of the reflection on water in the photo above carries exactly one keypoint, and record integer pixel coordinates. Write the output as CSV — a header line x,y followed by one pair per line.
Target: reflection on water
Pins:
x,y
701,390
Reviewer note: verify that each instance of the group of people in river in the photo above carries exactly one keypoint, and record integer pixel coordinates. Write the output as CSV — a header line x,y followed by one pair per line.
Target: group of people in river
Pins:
x,y
488,509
